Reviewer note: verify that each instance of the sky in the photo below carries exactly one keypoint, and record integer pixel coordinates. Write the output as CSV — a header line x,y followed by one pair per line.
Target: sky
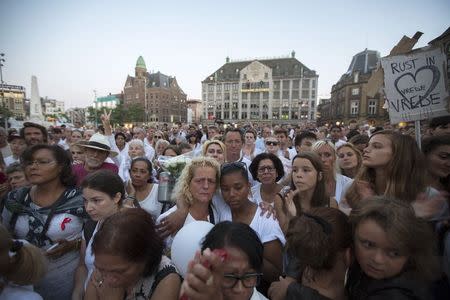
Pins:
x,y
76,47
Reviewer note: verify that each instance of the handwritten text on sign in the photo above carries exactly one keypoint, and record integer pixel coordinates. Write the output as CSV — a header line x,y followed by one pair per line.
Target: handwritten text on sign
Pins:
x,y
415,86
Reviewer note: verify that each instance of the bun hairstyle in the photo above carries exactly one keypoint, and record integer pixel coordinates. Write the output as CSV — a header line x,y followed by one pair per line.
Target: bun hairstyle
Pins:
x,y
316,238
20,263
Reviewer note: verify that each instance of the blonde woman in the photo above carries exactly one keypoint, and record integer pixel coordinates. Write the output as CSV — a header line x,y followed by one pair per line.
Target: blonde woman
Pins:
x,y
215,149
195,189
21,266
349,160
335,183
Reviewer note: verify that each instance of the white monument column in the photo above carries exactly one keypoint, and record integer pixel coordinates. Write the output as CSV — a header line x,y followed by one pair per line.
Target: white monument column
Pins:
x,y
35,102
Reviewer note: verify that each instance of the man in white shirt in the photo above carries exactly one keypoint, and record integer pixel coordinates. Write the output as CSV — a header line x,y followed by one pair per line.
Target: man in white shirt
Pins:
x,y
284,151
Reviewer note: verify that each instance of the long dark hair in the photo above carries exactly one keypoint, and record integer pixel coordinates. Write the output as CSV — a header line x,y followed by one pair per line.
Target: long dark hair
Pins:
x,y
62,158
131,234
320,197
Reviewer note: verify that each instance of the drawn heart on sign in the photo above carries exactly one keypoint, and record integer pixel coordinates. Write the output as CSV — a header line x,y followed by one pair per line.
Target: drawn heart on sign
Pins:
x,y
434,71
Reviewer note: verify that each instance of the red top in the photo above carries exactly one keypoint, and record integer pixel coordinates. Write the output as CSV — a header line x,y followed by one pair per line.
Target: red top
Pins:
x,y
80,172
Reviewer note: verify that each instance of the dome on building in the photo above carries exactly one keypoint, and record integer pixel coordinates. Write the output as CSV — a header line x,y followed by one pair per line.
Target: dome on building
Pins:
x,y
364,62
140,63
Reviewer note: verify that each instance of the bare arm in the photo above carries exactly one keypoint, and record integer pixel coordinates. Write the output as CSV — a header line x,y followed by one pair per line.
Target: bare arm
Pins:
x,y
81,273
173,222
273,261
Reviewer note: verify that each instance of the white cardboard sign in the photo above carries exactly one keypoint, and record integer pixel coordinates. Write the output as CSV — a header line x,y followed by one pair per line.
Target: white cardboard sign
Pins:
x,y
415,86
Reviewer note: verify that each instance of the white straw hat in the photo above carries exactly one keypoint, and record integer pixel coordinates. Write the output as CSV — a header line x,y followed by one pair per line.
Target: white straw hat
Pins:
x,y
100,142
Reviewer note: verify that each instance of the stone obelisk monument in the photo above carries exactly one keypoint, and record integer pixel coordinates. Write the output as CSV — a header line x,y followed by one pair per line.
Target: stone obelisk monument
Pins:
x,y
35,103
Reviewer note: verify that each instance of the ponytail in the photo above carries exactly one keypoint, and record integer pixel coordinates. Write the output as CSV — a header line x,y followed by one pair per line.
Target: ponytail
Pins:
x,y
20,263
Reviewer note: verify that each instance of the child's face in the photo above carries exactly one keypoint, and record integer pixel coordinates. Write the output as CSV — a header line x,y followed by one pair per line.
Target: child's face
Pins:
x,y
376,254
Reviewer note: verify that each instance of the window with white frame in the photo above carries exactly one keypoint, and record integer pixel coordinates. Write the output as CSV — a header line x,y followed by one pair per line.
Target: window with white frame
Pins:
x,y
354,107
372,106
355,91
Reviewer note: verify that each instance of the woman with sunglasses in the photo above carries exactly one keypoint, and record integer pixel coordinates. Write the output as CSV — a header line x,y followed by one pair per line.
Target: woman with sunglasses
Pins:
x,y
49,215
267,169
235,188
233,278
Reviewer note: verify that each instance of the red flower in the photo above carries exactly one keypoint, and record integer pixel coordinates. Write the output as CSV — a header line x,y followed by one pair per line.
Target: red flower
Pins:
x,y
64,222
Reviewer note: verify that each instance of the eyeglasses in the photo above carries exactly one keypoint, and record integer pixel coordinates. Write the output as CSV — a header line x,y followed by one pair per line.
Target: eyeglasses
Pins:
x,y
249,280
233,165
262,170
158,137
38,163
271,143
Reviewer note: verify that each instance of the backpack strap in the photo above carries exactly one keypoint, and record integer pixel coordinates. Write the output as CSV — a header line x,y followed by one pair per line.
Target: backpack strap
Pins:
x,y
21,197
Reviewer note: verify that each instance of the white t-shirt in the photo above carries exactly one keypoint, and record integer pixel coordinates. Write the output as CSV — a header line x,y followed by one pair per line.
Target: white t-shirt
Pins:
x,y
71,229
256,193
342,184
89,256
19,292
151,204
189,219
267,229
10,160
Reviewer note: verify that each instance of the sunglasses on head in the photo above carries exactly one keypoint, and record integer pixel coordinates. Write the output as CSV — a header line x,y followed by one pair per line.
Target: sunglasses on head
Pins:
x,y
233,165
158,137
271,143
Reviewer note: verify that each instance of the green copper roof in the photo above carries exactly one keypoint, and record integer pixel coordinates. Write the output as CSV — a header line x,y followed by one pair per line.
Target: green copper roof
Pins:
x,y
140,63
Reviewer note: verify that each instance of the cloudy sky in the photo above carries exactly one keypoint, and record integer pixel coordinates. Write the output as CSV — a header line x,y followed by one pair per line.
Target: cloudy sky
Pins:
x,y
75,47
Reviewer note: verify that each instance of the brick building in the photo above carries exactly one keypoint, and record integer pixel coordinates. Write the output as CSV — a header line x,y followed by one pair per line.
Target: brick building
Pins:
x,y
159,95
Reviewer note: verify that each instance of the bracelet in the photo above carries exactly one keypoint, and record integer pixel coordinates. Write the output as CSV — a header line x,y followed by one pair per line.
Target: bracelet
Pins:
x,y
281,196
131,197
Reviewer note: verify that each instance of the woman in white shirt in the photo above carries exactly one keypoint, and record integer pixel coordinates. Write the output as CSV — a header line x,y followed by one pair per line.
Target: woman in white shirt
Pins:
x,y
135,149
235,188
196,187
103,194
141,189
268,169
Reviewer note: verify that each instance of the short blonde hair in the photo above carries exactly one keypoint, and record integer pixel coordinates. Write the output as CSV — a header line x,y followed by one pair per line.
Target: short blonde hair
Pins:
x,y
182,189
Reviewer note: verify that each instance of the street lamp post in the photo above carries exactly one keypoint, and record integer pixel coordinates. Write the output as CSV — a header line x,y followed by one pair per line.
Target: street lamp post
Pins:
x,y
2,60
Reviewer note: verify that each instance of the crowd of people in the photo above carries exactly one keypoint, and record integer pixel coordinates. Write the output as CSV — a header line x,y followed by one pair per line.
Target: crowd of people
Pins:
x,y
337,212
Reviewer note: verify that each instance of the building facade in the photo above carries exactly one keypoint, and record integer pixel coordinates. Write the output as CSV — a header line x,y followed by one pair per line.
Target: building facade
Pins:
x,y
280,90
12,97
52,107
195,111
349,100
159,95
77,116
109,102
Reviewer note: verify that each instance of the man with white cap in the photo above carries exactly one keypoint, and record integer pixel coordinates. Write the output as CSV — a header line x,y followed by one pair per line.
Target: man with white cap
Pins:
x,y
97,151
